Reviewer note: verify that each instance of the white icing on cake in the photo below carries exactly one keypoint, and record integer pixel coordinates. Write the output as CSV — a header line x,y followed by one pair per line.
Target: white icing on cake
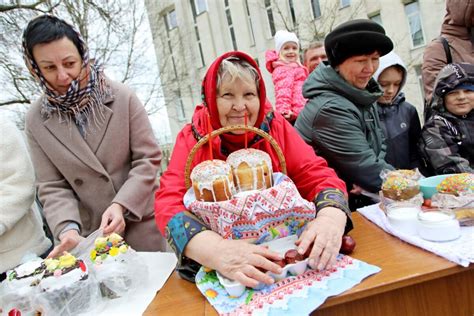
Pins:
x,y
207,172
252,157
255,159
64,280
24,275
27,268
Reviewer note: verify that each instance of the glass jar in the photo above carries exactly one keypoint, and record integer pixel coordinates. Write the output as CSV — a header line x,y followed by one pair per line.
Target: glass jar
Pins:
x,y
438,226
403,217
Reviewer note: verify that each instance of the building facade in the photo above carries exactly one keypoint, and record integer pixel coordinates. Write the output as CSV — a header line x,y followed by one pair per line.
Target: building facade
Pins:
x,y
189,34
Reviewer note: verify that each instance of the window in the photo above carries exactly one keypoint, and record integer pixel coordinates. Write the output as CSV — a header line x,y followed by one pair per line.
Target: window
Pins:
x,y
412,11
292,11
249,21
175,70
377,19
420,80
345,3
230,24
196,32
200,5
171,21
315,8
169,44
271,22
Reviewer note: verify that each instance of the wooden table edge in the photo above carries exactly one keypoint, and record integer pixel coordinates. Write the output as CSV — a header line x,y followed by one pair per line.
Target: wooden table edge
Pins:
x,y
357,293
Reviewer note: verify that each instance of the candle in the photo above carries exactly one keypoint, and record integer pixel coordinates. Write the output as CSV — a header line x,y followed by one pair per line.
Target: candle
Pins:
x,y
209,132
246,121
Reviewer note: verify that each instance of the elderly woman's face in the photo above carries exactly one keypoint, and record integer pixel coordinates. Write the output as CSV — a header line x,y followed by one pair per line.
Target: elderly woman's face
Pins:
x,y
357,70
59,62
236,98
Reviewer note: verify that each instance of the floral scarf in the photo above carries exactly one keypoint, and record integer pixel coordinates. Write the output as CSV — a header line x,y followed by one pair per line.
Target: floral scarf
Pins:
x,y
80,104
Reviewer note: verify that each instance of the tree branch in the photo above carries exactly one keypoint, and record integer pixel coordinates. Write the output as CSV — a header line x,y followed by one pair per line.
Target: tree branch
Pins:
x,y
19,101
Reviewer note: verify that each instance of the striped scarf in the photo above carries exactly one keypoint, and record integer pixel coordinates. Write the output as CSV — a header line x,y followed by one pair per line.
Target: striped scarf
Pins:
x,y
79,104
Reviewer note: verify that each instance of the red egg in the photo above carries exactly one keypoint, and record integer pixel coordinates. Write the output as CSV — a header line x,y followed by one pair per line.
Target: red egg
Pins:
x,y
281,262
348,244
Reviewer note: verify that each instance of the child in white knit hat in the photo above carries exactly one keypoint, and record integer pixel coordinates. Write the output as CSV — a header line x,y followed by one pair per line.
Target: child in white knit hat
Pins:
x,y
288,74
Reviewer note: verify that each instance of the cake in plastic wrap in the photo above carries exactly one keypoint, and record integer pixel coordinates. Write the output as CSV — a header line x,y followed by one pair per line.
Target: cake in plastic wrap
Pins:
x,y
21,285
400,187
456,193
116,266
66,287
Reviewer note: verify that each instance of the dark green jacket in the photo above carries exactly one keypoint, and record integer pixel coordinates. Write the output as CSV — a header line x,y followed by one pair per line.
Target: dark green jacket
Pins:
x,y
341,122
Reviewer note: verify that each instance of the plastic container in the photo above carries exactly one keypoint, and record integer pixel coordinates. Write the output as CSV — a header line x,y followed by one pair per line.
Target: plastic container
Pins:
x,y
428,185
232,287
403,218
438,226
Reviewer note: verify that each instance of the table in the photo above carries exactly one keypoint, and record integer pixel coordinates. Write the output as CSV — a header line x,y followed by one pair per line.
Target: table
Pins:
x,y
412,282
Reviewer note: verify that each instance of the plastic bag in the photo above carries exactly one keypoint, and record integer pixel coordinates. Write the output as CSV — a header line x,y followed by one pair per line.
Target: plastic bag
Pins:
x,y
114,264
36,286
21,285
119,275
73,299
20,300
400,186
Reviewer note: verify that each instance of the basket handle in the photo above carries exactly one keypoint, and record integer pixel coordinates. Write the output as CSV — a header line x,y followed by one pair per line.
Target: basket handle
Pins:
x,y
222,130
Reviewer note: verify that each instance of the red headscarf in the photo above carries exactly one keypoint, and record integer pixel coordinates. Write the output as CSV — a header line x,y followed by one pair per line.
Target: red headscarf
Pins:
x,y
209,95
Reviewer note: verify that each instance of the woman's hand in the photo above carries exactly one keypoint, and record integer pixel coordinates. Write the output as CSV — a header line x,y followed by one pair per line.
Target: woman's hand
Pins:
x,y
69,240
325,231
288,114
113,220
356,189
236,259
244,262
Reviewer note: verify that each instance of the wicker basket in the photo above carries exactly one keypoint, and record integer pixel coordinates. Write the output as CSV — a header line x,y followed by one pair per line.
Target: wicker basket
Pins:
x,y
202,141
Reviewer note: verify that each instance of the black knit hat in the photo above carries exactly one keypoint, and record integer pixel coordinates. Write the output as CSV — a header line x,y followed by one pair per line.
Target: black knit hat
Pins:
x,y
354,38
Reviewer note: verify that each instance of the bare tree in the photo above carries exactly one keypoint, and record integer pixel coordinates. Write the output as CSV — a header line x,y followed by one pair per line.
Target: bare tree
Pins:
x,y
306,27
174,59
111,29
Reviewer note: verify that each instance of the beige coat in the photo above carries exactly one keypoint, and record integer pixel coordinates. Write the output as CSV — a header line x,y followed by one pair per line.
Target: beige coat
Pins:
x,y
458,21
117,161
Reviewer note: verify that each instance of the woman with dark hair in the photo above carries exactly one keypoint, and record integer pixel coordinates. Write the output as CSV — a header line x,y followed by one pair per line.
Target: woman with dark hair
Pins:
x,y
233,89
91,143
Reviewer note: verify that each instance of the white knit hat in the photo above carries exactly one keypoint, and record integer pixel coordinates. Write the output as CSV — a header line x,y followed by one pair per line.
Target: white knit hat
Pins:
x,y
282,37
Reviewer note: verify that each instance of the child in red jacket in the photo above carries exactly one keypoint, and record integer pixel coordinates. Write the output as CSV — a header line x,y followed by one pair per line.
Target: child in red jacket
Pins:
x,y
288,74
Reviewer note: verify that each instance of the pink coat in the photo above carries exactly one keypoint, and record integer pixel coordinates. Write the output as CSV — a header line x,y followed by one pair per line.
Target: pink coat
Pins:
x,y
288,79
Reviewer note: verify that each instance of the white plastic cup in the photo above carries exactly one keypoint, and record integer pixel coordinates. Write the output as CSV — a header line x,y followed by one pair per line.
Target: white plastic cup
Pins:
x,y
438,226
403,218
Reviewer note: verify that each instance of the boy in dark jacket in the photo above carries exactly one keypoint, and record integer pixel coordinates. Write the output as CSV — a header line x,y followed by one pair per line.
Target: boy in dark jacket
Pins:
x,y
447,139
399,119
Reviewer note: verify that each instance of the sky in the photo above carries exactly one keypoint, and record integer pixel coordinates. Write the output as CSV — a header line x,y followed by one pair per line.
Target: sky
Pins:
x,y
159,120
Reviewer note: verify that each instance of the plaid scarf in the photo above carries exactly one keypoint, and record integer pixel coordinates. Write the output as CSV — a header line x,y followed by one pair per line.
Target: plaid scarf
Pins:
x,y
78,104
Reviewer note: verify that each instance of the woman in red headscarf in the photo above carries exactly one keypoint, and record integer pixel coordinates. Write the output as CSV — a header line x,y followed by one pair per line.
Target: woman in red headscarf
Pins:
x,y
232,89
